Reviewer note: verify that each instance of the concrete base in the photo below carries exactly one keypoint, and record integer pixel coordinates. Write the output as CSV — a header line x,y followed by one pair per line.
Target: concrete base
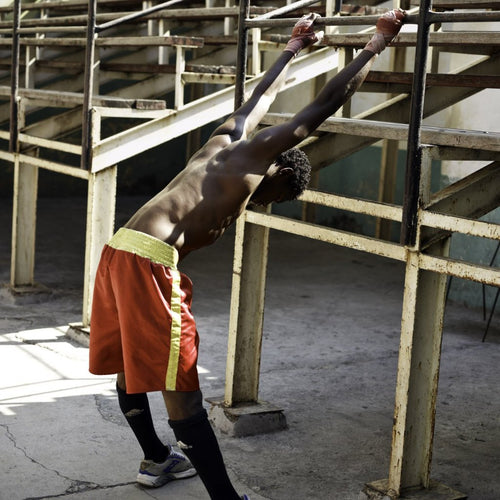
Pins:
x,y
24,294
79,333
379,490
246,419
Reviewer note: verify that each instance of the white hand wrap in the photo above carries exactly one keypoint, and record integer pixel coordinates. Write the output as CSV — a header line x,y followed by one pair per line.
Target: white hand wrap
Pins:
x,y
376,44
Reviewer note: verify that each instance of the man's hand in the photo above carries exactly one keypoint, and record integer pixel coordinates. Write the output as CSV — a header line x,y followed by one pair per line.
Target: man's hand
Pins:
x,y
303,34
387,28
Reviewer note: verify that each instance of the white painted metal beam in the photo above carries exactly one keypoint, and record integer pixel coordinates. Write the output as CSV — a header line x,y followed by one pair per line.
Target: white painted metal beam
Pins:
x,y
477,139
328,235
199,113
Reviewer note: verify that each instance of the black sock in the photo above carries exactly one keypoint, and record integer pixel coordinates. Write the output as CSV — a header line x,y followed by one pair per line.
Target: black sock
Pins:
x,y
135,408
197,440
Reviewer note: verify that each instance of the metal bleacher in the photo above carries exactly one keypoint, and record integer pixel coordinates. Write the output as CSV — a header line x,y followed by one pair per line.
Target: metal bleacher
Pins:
x,y
162,70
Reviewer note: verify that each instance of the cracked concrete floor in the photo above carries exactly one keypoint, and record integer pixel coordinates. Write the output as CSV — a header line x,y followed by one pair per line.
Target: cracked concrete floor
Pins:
x,y
329,360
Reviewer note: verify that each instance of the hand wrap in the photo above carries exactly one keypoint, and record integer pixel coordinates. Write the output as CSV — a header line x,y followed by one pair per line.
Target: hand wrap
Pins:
x,y
387,28
303,34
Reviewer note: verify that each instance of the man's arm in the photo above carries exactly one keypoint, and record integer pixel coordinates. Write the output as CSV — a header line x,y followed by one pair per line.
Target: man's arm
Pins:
x,y
248,115
334,94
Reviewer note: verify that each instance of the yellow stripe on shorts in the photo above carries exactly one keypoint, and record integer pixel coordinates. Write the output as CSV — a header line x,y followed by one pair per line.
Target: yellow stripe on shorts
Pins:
x,y
175,332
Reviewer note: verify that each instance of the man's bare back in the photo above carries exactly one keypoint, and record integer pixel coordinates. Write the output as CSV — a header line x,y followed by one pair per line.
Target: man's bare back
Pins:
x,y
196,207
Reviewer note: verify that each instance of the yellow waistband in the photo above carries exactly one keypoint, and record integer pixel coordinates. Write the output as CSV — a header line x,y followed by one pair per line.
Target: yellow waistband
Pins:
x,y
146,246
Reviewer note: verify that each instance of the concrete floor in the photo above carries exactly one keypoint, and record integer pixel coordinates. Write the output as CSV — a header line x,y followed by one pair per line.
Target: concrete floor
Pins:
x,y
329,360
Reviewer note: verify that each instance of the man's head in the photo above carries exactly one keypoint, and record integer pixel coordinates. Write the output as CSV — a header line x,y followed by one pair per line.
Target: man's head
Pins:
x,y
298,161
287,179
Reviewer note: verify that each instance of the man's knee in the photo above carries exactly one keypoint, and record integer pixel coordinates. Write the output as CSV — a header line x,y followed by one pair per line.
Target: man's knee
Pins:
x,y
120,381
182,405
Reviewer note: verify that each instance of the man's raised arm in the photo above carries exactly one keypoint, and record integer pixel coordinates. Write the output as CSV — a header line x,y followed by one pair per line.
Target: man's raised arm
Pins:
x,y
271,141
248,115
344,84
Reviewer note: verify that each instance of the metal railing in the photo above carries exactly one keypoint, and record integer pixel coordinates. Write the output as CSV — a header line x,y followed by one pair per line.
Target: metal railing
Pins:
x,y
92,30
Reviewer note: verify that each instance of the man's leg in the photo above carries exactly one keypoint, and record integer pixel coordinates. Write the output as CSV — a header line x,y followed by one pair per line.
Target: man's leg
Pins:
x,y
161,463
197,440
135,408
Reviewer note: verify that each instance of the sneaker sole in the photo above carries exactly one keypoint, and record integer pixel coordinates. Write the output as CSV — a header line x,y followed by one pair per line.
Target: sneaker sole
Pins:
x,y
157,481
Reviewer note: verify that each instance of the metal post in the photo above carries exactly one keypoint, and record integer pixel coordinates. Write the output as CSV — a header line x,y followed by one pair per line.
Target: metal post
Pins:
x,y
243,27
14,81
87,90
241,61
414,149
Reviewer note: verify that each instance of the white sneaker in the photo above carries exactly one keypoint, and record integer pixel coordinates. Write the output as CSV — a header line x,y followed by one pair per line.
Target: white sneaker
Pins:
x,y
176,466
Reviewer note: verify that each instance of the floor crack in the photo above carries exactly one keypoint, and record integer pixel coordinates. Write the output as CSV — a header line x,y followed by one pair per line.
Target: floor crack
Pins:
x,y
76,486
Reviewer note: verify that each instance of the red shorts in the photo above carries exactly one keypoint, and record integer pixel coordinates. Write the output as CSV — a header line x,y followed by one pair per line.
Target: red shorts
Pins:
x,y
141,321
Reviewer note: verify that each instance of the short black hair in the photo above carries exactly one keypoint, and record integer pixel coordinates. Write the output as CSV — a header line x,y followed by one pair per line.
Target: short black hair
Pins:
x,y
299,162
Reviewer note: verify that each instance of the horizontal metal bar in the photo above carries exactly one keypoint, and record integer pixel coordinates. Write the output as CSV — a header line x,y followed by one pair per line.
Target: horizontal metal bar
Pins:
x,y
54,167
63,5
131,41
435,79
60,99
462,225
482,40
475,272
456,39
328,235
139,41
368,20
435,220
135,15
479,139
75,149
383,210
463,17
225,79
49,29
131,112
5,155
287,8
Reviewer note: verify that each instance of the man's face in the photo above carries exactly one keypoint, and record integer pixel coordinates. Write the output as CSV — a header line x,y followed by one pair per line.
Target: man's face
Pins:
x,y
273,188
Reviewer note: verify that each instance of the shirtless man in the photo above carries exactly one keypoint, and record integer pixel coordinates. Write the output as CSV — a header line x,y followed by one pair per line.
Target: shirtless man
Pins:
x,y
141,324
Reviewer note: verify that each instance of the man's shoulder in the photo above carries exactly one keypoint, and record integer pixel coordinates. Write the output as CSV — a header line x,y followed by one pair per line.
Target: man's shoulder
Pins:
x,y
210,149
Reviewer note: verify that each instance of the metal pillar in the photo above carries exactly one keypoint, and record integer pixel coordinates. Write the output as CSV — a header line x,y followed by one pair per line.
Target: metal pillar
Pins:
x,y
25,181
14,80
240,412
86,159
414,149
241,57
23,226
101,199
418,370
247,313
